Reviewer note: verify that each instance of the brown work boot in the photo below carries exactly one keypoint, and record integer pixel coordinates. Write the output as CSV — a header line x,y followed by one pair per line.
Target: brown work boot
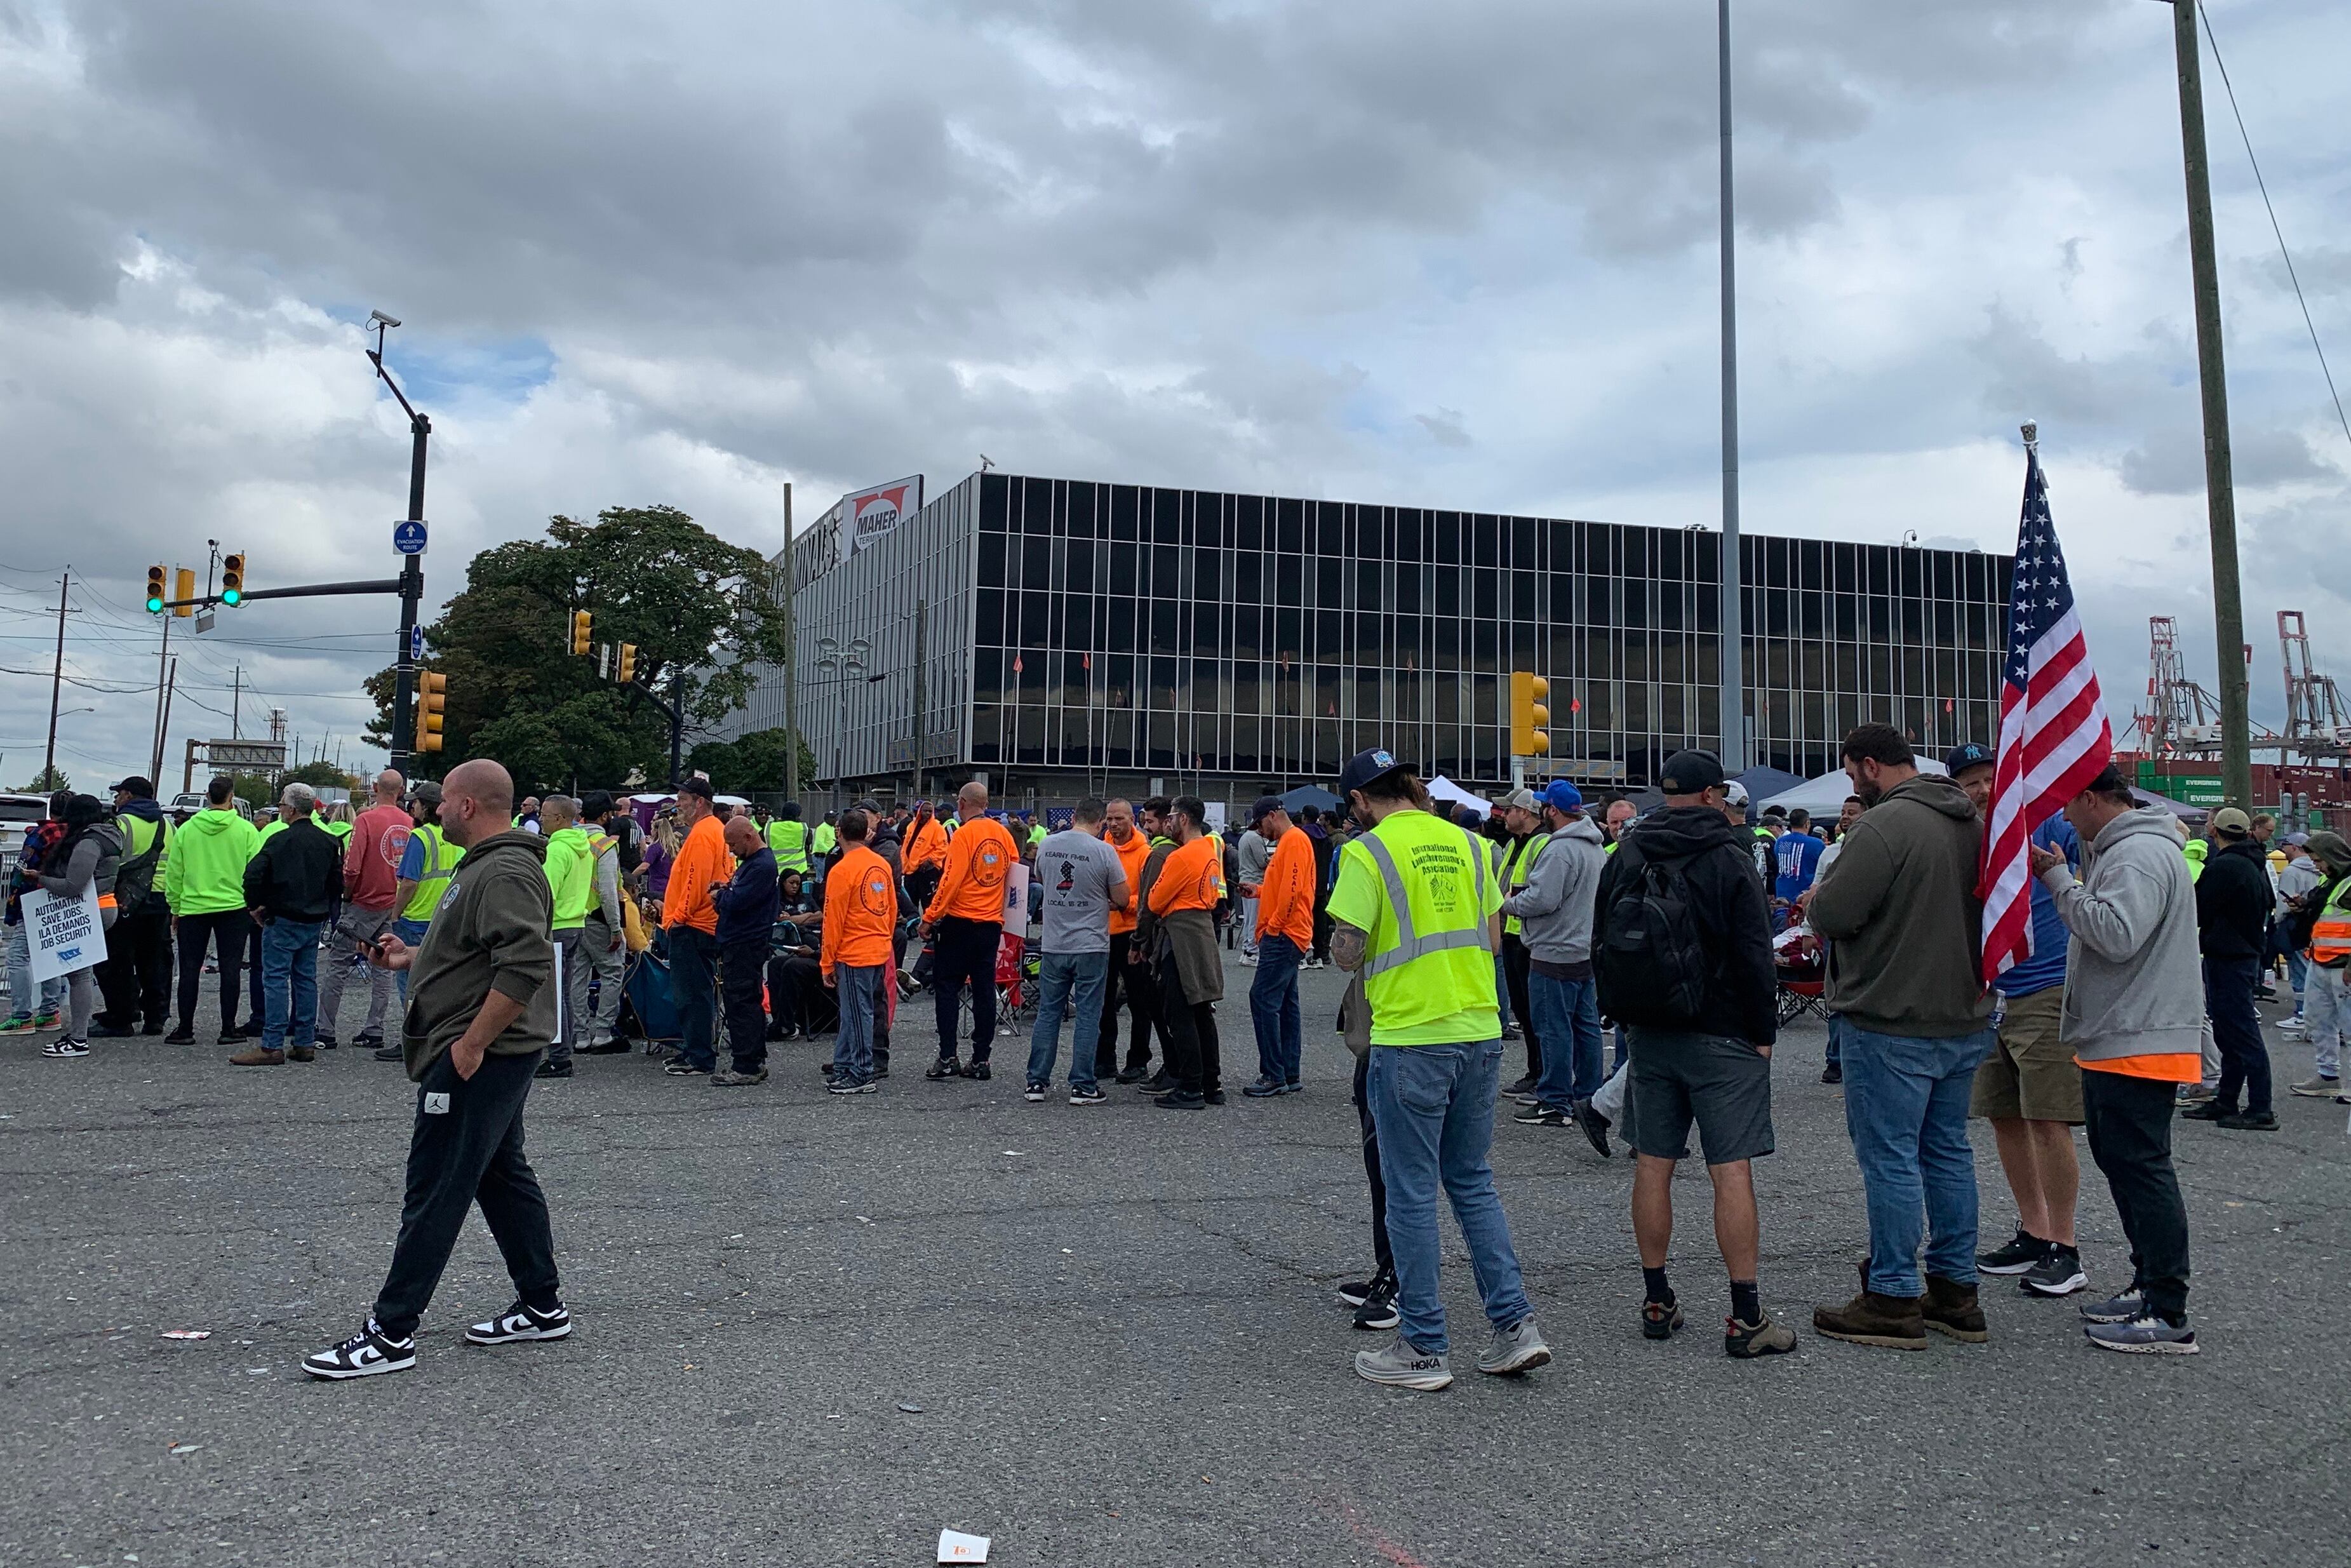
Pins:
x,y
254,1056
1950,1308
1893,1322
301,1053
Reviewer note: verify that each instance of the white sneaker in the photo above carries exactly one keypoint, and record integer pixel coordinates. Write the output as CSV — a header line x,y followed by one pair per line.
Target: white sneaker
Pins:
x,y
521,1322
365,1354
1518,1348
1399,1364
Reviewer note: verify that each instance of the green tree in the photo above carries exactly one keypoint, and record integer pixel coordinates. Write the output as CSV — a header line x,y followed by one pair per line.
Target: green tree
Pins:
x,y
700,611
753,762
48,782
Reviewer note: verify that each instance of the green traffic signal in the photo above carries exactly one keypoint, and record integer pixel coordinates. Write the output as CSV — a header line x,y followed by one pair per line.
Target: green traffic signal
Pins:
x,y
228,595
154,605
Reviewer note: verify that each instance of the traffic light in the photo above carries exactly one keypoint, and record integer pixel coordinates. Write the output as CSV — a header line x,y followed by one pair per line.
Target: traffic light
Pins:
x,y
155,594
583,630
232,579
432,699
627,673
1529,718
185,589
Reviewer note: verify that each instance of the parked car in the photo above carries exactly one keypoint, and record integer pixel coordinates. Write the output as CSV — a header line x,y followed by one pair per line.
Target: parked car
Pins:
x,y
18,812
186,805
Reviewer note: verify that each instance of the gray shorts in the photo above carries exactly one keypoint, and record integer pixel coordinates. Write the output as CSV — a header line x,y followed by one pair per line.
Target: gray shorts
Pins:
x,y
1722,1085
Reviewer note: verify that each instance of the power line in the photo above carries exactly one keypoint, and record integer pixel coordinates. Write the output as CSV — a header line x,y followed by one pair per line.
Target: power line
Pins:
x,y
2263,186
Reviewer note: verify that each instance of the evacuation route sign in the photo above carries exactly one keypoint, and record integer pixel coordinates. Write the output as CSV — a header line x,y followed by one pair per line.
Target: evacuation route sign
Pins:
x,y
64,934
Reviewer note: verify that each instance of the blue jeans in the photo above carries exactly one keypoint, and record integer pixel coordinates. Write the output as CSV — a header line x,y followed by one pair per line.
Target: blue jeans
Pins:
x,y
1567,1020
860,993
2297,973
289,982
21,989
692,989
1273,1008
1906,1109
1836,1040
1434,1108
1068,983
412,933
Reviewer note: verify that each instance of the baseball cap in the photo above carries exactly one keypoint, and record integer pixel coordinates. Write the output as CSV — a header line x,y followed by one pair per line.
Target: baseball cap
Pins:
x,y
1263,806
595,804
426,790
1563,798
1960,758
2299,841
1517,800
698,788
135,784
1734,793
2229,820
1364,767
1688,772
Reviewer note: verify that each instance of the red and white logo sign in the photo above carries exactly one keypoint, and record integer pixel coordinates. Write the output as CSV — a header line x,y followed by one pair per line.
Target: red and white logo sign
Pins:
x,y
870,514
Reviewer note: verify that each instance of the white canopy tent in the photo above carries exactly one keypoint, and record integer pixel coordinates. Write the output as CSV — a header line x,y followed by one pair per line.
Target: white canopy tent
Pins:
x,y
1444,789
1824,796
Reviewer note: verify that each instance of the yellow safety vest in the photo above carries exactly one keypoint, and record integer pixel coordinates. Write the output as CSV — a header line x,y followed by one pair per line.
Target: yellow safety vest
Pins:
x,y
789,841
1521,860
1428,965
440,858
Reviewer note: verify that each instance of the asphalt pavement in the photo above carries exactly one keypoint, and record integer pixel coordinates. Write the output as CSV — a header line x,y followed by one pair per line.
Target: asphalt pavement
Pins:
x,y
817,1331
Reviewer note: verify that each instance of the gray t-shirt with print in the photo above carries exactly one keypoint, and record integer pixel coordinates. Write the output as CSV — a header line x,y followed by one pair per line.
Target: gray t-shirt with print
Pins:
x,y
1077,870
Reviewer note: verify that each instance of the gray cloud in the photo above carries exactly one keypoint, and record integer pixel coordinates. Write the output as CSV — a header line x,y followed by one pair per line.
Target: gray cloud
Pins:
x,y
2172,462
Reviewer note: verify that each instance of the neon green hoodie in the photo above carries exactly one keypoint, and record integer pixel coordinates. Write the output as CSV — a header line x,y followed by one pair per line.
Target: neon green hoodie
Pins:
x,y
570,877
206,872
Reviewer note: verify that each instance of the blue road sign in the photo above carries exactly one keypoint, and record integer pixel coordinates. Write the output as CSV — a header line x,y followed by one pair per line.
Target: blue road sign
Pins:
x,y
408,536
416,642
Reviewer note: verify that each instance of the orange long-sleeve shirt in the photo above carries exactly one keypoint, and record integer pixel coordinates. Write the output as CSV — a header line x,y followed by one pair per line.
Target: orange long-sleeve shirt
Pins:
x,y
861,910
1285,899
1193,878
979,857
1130,855
929,848
702,859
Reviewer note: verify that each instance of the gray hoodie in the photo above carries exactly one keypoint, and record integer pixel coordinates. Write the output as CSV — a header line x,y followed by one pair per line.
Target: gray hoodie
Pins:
x,y
1554,911
2134,979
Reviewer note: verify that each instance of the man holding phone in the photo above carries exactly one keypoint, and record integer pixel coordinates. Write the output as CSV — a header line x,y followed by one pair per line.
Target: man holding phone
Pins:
x,y
480,1012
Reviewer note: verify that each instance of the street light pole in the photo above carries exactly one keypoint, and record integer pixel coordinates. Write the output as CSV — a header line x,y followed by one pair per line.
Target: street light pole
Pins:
x,y
1734,640
2219,484
412,574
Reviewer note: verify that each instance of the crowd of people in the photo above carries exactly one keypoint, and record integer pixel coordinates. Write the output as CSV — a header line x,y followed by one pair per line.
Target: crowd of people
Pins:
x,y
505,930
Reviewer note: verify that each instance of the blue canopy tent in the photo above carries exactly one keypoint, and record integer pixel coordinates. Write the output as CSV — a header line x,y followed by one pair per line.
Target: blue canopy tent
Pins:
x,y
1310,795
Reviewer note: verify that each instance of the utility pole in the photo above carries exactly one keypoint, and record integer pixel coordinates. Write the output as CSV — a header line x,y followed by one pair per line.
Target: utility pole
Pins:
x,y
791,658
411,573
2219,484
237,703
163,665
163,722
1734,638
57,683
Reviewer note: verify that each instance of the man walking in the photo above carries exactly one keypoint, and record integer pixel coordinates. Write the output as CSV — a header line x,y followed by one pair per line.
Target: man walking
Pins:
x,y
1554,910
747,907
136,978
480,1009
290,885
861,916
600,954
965,916
2134,1017
204,882
1179,931
1120,980
1904,928
1283,899
1418,910
1683,956
691,921
2233,900
372,857
570,892
1083,882
2028,1087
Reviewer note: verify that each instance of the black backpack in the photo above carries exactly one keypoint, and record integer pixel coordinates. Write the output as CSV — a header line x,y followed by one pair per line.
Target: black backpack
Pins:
x,y
1653,967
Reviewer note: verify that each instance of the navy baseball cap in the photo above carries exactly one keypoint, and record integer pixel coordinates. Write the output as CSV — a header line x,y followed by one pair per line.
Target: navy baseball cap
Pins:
x,y
1263,807
1688,772
1563,798
1364,767
1962,757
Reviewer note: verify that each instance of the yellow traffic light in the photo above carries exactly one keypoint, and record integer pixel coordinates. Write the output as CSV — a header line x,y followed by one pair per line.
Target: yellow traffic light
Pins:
x,y
183,589
628,670
432,699
232,579
155,594
583,630
1529,718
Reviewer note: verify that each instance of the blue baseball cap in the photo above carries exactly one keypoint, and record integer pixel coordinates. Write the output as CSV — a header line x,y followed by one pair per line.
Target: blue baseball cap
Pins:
x,y
1563,798
1962,757
1363,768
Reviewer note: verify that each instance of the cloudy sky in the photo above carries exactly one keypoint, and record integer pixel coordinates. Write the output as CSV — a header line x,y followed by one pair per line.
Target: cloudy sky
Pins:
x,y
1454,255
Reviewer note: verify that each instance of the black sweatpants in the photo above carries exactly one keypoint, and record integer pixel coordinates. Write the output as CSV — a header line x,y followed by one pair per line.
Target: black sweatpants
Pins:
x,y
467,1149
1515,970
740,970
1135,984
136,980
2128,1120
1383,1255
1193,1055
962,952
226,931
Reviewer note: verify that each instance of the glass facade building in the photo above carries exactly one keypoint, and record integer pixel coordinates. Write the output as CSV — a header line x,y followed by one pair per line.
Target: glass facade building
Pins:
x,y
1076,635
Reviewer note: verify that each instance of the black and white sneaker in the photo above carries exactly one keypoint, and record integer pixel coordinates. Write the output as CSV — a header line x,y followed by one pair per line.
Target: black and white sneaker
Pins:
x,y
2118,1309
1361,1290
363,1355
66,1046
518,1322
2058,1272
1379,1308
1034,1093
2016,1258
842,1084
1089,1095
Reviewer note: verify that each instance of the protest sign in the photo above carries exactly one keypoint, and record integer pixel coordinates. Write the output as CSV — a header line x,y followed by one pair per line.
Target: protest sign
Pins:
x,y
64,934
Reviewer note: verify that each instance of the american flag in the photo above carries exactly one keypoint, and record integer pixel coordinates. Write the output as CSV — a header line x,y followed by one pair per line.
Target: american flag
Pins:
x,y
2054,734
